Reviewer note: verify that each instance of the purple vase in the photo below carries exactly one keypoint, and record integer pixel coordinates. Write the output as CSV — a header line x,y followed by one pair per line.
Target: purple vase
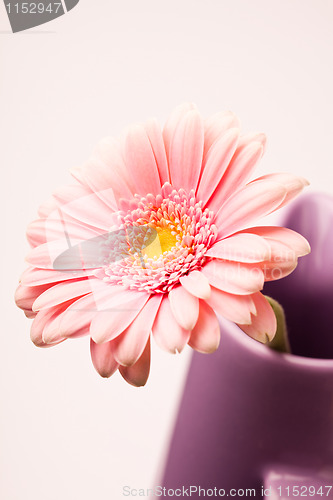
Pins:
x,y
253,419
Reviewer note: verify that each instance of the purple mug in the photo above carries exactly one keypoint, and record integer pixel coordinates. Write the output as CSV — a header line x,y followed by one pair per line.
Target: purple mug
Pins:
x,y
254,422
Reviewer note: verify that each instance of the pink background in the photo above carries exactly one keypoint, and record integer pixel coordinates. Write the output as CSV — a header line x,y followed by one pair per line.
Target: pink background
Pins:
x,y
65,432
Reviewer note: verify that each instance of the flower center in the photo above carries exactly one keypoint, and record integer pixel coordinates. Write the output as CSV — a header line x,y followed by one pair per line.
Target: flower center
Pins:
x,y
165,241
167,237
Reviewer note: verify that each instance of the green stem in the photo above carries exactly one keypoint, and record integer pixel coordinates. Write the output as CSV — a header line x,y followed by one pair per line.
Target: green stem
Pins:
x,y
280,341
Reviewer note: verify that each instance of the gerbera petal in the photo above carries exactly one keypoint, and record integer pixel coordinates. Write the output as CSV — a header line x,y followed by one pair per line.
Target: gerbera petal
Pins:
x,y
287,236
67,193
108,185
36,234
172,122
168,333
128,347
155,136
52,333
216,163
186,149
293,184
38,325
46,208
255,200
29,314
108,151
84,206
237,308
138,374
240,168
117,313
79,314
242,247
61,293
77,317
25,296
102,358
197,284
236,278
42,230
141,162
251,138
184,307
205,337
282,262
37,277
63,255
217,125
263,325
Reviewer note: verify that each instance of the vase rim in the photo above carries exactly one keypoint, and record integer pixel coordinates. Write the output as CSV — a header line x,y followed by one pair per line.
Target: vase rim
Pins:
x,y
262,350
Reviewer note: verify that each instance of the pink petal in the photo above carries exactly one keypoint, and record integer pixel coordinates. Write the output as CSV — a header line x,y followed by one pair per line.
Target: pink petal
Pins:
x,y
232,277
25,296
38,325
263,326
108,152
168,333
38,277
141,162
205,336
282,262
44,255
197,284
108,156
172,122
77,316
46,208
216,163
247,139
42,230
62,292
273,272
155,136
286,236
52,332
108,185
36,233
292,183
186,149
117,313
102,358
217,125
138,374
70,254
85,208
251,202
237,308
67,193
29,314
184,306
128,347
238,172
241,247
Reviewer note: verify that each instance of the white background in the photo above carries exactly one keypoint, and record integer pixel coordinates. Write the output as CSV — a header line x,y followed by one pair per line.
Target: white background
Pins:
x,y
65,432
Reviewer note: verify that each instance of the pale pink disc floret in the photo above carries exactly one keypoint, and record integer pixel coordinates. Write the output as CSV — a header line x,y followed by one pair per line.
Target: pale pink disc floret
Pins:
x,y
155,236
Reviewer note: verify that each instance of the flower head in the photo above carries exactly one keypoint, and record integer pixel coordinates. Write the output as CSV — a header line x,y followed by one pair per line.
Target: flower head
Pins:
x,y
156,236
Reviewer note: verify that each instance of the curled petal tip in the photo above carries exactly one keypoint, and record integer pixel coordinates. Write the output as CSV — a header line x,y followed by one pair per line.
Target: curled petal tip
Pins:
x,y
304,181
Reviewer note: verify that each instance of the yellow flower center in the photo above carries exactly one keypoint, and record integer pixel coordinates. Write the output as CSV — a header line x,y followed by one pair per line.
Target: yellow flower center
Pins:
x,y
165,240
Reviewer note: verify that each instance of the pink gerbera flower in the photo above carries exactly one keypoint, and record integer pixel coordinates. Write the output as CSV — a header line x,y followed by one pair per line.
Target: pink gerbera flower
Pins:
x,y
155,236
